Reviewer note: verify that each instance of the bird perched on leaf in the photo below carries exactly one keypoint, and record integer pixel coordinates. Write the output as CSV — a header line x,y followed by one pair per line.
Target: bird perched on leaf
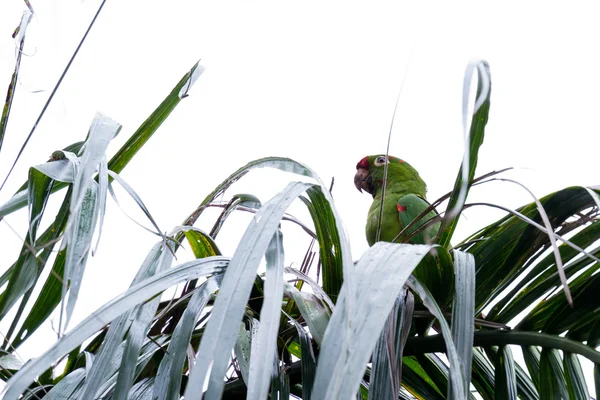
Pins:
x,y
404,199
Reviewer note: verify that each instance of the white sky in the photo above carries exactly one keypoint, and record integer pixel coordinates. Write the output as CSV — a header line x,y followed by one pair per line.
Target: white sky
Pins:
x,y
314,81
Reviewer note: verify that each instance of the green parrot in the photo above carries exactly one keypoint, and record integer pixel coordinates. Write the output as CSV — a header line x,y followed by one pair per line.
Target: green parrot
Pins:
x,y
404,199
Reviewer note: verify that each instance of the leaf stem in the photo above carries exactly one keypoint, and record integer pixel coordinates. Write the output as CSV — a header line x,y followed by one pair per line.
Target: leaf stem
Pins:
x,y
436,344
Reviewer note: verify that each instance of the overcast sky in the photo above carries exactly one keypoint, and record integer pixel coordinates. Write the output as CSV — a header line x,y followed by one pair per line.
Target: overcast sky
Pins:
x,y
314,81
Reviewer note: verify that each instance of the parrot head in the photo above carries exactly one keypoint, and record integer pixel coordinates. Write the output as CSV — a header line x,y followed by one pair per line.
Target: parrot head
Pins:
x,y
401,176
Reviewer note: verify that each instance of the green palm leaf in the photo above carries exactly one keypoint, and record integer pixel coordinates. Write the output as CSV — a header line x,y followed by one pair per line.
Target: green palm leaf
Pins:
x,y
404,321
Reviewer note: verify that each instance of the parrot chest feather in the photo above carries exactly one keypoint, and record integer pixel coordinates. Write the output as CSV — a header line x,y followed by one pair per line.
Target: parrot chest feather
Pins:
x,y
390,225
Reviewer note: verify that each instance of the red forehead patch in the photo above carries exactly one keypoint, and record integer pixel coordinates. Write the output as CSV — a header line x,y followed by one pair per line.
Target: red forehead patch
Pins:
x,y
364,163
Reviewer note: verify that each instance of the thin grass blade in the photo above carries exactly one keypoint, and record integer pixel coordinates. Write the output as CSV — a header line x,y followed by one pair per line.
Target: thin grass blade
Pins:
x,y
44,305
102,190
315,287
32,257
308,360
576,384
221,330
597,379
159,259
265,344
531,355
593,340
78,241
83,212
510,377
436,369
142,390
136,336
52,93
148,352
594,196
328,236
38,193
550,230
474,132
12,87
102,131
555,315
238,200
139,138
457,379
36,251
51,292
312,309
349,339
27,269
243,347
551,378
506,382
137,199
281,163
97,320
463,311
496,337
145,131
287,165
68,387
483,378
168,378
283,389
386,370
526,390
417,382
502,249
543,277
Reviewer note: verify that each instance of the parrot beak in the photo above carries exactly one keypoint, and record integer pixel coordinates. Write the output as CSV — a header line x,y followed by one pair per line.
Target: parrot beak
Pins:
x,y
363,180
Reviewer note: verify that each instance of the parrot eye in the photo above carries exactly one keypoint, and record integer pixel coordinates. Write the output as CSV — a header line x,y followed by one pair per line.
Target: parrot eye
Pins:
x,y
379,161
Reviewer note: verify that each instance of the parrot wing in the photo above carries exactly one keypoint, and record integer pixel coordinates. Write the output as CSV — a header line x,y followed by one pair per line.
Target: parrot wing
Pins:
x,y
409,207
436,275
